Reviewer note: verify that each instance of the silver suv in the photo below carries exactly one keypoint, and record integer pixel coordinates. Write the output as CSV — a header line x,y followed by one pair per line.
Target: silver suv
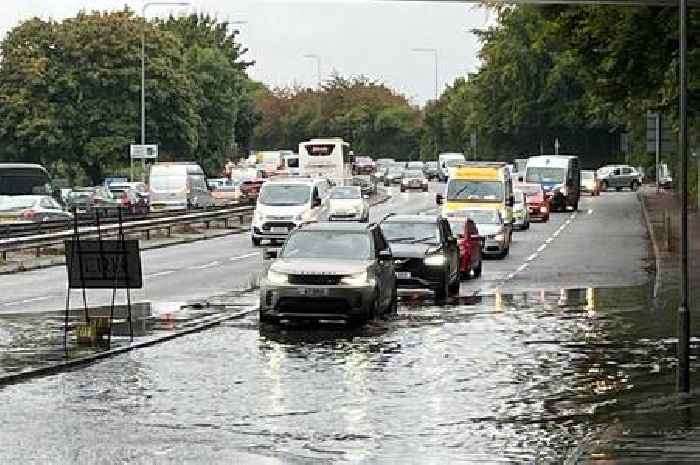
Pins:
x,y
619,177
330,271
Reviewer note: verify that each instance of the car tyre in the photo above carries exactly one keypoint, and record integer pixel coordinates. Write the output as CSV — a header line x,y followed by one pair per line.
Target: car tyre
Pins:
x,y
256,241
526,226
453,288
634,186
442,292
604,186
477,270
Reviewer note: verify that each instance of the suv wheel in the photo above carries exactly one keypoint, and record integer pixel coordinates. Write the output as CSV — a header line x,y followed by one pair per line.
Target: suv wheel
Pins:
x,y
477,270
453,288
634,186
256,241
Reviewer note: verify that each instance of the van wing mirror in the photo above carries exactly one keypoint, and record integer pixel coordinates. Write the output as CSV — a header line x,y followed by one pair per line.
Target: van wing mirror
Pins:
x,y
510,202
439,199
317,202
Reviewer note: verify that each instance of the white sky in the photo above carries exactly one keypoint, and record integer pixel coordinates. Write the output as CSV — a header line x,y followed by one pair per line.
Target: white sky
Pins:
x,y
370,37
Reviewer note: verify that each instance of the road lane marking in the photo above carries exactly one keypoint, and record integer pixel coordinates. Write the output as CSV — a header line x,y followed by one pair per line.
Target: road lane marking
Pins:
x,y
241,257
590,211
160,273
542,247
24,301
531,257
206,265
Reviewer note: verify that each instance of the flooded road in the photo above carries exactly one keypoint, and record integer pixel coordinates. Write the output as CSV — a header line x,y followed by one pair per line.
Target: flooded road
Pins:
x,y
504,378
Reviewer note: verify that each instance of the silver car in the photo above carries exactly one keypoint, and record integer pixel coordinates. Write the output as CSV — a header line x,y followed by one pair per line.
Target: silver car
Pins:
x,y
521,214
619,177
330,271
346,203
31,209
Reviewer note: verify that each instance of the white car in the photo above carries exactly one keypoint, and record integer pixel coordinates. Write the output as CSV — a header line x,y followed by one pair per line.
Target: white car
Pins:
x,y
346,203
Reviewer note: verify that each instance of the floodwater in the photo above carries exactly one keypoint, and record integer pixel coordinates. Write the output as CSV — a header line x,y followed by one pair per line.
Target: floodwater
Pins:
x,y
533,377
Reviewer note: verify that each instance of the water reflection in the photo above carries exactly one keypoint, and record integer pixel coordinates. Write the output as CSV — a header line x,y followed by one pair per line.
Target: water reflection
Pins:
x,y
530,377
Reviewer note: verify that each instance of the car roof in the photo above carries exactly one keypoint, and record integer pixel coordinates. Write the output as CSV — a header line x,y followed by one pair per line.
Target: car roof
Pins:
x,y
411,219
337,226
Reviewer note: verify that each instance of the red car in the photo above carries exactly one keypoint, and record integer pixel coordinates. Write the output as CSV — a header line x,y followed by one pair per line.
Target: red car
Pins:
x,y
537,202
250,188
469,244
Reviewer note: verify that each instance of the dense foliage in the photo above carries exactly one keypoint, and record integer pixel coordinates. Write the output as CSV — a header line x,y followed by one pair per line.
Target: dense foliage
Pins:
x,y
374,119
580,74
70,91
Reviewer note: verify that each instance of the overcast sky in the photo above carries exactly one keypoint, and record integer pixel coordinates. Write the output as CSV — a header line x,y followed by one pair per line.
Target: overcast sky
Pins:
x,y
369,37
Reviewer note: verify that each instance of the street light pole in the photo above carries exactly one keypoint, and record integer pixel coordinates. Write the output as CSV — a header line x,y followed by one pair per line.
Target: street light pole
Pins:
x,y
683,378
143,68
435,56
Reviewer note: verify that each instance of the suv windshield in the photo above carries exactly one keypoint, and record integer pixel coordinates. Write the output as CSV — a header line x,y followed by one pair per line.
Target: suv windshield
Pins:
x,y
411,232
340,245
463,189
168,182
543,174
284,194
533,189
413,174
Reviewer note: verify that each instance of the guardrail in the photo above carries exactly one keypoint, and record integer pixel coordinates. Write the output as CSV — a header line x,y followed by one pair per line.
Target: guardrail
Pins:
x,y
39,241
27,229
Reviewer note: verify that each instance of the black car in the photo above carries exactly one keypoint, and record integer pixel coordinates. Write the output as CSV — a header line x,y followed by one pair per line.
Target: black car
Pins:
x,y
367,184
431,170
426,254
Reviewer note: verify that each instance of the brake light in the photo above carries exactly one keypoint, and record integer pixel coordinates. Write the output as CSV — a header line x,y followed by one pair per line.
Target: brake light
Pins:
x,y
28,214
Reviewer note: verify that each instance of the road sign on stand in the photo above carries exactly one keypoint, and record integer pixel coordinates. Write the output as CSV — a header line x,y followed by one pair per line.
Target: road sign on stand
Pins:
x,y
664,132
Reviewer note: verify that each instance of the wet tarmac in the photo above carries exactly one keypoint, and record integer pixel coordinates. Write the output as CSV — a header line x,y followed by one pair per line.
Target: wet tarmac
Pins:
x,y
533,377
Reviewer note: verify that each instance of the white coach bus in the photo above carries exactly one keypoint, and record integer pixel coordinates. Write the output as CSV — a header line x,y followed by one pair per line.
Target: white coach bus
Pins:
x,y
324,158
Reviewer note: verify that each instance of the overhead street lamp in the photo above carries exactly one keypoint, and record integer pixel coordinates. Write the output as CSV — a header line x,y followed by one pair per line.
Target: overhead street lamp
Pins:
x,y
435,55
318,66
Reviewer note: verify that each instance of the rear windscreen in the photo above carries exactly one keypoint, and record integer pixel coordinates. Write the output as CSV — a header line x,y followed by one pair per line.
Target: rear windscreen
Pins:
x,y
24,181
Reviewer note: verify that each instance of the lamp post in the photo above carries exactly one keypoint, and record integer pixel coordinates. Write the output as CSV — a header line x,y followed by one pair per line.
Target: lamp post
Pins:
x,y
435,56
143,67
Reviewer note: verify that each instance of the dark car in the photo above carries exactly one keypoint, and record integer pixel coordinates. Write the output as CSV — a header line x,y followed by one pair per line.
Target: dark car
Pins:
x,y
93,201
394,175
414,179
367,184
469,246
426,254
363,165
132,201
431,170
330,271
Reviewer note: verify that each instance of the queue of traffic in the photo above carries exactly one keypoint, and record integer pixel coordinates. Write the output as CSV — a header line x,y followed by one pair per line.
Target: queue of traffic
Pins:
x,y
333,265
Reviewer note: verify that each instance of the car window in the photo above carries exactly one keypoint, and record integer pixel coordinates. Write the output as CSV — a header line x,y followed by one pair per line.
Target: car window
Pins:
x,y
328,245
411,232
626,170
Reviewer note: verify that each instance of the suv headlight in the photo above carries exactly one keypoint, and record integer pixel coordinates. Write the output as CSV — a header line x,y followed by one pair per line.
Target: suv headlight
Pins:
x,y
500,237
434,260
277,278
357,279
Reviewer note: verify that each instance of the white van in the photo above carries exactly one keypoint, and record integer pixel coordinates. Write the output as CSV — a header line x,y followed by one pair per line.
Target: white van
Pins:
x,y
447,161
178,186
284,204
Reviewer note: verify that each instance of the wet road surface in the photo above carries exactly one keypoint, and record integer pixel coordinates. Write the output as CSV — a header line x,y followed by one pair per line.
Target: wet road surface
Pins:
x,y
522,368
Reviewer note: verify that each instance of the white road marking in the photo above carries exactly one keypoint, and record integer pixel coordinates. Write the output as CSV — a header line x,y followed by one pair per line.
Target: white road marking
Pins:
x,y
160,273
241,257
205,266
531,257
25,301
590,211
549,240
542,247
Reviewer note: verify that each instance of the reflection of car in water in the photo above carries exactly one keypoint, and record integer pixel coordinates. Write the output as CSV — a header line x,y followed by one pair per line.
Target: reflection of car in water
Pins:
x,y
330,271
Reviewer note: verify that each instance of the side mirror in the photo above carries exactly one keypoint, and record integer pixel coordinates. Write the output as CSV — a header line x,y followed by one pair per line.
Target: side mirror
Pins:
x,y
439,199
510,202
317,202
385,255
474,237
521,178
270,254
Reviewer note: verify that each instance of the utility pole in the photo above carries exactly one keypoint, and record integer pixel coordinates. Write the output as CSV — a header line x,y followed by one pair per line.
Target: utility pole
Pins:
x,y
556,146
683,378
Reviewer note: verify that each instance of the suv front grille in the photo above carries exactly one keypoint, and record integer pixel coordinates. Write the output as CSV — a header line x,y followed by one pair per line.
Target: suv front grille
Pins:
x,y
313,305
408,264
268,226
315,279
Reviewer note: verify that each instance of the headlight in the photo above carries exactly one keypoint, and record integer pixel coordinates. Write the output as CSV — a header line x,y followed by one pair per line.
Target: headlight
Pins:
x,y
277,278
434,260
500,237
357,279
404,181
543,209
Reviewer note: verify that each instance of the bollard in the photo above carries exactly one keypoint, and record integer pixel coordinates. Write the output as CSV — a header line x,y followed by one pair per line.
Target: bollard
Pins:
x,y
667,231
226,223
170,231
148,234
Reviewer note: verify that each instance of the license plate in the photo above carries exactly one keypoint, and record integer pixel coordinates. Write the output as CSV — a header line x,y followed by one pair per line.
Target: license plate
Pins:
x,y
403,275
279,230
314,291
